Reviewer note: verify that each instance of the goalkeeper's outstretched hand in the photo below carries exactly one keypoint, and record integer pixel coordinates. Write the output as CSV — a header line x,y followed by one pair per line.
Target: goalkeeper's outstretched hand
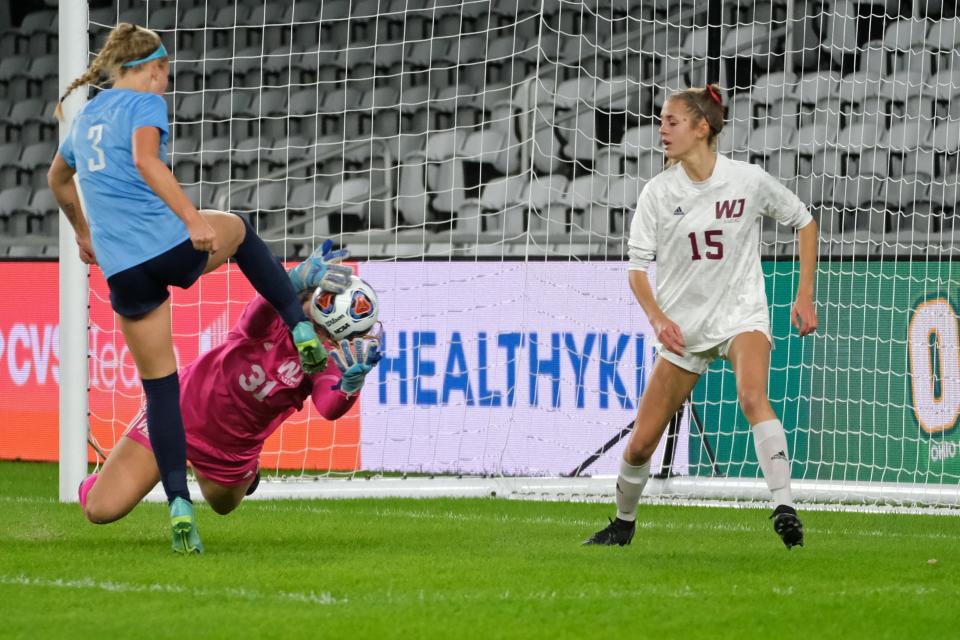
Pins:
x,y
355,359
321,270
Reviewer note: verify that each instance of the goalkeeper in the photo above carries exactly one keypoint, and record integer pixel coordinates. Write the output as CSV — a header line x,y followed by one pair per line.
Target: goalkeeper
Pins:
x,y
235,395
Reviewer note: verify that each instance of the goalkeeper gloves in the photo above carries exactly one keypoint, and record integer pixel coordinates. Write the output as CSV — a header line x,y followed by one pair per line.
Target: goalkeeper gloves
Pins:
x,y
321,270
355,359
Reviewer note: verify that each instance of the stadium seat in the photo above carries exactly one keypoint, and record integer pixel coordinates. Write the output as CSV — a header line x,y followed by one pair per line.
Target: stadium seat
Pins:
x,y
586,198
781,164
945,192
771,138
449,109
943,42
944,85
9,164
621,199
812,87
264,197
872,59
872,163
921,163
733,139
945,137
828,220
608,162
617,95
161,17
488,212
493,147
306,199
543,198
38,33
508,60
413,198
42,77
419,59
771,88
901,194
903,42
21,115
218,117
284,150
44,212
577,134
14,208
640,139
814,137
908,135
750,41
13,76
184,157
860,135
215,159
740,110
839,34
351,196
34,164
245,159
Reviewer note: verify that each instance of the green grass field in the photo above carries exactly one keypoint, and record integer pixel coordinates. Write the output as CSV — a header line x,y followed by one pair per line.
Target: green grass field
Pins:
x,y
467,569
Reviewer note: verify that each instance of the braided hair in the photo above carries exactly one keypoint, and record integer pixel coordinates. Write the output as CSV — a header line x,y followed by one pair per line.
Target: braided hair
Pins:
x,y
126,42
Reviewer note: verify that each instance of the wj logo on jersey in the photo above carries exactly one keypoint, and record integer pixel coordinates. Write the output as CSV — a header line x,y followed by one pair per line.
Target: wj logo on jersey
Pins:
x,y
730,209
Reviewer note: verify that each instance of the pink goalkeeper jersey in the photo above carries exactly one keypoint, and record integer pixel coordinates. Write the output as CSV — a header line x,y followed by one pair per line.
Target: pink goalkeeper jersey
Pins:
x,y
235,395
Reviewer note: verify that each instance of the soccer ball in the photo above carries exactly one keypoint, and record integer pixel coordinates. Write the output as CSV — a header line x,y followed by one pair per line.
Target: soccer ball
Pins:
x,y
343,315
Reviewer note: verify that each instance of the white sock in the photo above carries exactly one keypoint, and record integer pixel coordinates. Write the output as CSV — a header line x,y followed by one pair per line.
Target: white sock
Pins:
x,y
630,484
770,442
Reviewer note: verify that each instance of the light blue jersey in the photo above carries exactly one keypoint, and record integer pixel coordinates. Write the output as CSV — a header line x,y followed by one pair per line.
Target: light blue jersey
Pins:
x,y
129,223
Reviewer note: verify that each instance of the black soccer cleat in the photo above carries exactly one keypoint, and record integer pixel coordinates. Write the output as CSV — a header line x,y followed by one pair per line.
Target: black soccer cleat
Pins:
x,y
618,532
253,485
788,526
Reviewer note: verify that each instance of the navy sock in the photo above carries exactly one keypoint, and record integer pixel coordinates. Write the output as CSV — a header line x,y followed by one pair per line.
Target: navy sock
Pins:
x,y
268,277
167,437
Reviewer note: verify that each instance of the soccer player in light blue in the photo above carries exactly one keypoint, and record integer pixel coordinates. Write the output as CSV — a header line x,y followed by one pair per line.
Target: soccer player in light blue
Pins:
x,y
146,235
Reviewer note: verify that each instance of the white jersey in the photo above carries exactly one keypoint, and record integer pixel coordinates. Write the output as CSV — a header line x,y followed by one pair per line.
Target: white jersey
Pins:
x,y
705,237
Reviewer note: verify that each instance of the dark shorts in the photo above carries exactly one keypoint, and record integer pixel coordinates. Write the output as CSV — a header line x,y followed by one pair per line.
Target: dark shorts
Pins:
x,y
141,289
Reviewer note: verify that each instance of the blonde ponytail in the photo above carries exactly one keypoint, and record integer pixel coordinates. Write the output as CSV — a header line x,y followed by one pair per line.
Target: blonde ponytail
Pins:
x,y
126,42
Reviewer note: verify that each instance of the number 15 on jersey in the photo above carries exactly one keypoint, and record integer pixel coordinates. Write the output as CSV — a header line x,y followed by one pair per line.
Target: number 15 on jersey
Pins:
x,y
711,239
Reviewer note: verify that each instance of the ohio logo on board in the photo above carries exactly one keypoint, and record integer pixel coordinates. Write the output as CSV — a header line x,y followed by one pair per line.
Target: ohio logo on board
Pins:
x,y
360,306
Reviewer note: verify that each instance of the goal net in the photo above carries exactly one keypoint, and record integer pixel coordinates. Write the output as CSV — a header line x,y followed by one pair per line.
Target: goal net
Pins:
x,y
482,159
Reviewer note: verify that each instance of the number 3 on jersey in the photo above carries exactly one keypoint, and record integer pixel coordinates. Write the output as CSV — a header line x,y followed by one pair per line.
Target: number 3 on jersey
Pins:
x,y
95,135
255,380
714,247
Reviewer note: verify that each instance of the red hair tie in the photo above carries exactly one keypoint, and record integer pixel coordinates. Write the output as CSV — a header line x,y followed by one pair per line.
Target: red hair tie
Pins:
x,y
713,95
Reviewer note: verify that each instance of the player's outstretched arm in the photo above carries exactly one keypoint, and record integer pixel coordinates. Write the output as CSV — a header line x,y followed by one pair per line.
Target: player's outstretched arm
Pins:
x,y
321,269
333,395
60,181
804,313
667,331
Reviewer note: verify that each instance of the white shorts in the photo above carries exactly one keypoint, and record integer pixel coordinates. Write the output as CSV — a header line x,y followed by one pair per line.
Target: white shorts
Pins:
x,y
698,362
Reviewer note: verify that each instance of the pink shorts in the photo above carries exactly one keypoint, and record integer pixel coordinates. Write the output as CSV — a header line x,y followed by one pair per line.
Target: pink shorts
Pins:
x,y
225,468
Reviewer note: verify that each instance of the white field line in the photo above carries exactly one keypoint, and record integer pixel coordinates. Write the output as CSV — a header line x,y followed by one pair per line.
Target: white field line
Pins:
x,y
392,597
454,516
291,506
308,597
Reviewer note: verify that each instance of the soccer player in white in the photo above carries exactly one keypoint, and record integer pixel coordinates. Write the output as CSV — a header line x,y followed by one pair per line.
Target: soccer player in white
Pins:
x,y
700,219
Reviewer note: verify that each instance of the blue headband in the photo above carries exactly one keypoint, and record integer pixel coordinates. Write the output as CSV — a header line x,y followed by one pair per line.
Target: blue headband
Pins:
x,y
161,52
